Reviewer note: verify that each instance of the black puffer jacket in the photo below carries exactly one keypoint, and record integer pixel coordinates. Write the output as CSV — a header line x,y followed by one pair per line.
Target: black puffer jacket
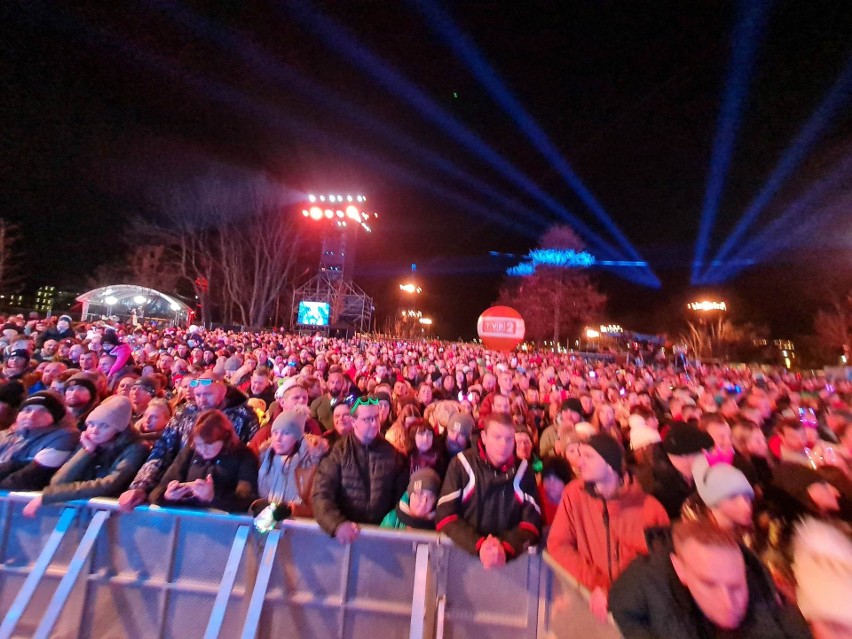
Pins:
x,y
648,601
663,481
358,483
478,500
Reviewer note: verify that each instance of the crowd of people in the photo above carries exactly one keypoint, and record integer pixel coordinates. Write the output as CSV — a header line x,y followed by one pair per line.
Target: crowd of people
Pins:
x,y
705,501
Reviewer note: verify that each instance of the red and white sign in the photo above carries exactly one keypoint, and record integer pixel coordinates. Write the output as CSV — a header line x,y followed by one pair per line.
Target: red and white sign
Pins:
x,y
501,328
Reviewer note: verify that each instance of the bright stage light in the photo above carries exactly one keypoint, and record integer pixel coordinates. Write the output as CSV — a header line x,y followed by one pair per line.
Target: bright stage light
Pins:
x,y
139,299
352,212
322,198
707,305
348,198
426,321
329,213
312,198
592,333
305,212
316,213
111,300
339,213
410,288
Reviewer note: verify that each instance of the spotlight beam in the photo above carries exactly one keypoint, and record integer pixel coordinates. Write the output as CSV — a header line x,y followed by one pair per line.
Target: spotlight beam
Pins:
x,y
270,115
797,222
747,35
465,49
836,97
326,97
341,40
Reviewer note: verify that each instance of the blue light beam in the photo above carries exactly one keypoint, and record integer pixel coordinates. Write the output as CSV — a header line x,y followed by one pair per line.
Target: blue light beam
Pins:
x,y
836,97
746,38
326,97
464,48
341,40
797,222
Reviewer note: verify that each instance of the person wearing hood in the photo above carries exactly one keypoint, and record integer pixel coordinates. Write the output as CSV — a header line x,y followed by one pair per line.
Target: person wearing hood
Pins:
x,y
287,466
208,392
602,522
416,508
106,460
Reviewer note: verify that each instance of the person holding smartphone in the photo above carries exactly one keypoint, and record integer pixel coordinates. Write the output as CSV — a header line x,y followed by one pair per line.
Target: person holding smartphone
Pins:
x,y
215,471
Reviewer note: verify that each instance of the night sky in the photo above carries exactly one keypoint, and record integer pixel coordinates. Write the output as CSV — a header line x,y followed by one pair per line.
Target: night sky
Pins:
x,y
106,106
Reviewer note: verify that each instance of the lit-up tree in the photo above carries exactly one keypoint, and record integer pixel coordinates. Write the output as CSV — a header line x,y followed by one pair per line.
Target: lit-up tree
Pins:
x,y
554,301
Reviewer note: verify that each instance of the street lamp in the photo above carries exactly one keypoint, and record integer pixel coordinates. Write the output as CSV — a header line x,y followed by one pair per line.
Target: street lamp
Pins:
x,y
705,306
410,288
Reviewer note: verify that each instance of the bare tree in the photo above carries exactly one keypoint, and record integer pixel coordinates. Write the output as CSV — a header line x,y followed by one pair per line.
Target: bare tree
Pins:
x,y
257,255
554,301
10,274
834,326
227,238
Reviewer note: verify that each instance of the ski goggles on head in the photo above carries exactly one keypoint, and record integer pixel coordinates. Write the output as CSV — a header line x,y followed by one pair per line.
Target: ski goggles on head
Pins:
x,y
364,401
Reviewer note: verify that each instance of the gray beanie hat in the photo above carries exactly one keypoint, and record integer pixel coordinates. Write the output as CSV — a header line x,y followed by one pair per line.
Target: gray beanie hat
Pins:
x,y
719,482
291,422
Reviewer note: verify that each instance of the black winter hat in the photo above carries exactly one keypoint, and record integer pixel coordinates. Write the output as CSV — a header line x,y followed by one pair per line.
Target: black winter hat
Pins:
x,y
82,379
610,450
686,439
557,467
572,403
49,400
12,393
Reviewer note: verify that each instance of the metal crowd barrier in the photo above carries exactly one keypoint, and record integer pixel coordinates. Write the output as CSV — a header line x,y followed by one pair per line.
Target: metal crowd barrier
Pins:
x,y
83,569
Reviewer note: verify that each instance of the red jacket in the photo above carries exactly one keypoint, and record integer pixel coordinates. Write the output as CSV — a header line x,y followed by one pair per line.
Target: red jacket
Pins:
x,y
578,537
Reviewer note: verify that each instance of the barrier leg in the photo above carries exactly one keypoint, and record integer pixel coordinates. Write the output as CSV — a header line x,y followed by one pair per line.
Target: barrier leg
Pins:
x,y
81,556
258,594
418,603
227,583
36,574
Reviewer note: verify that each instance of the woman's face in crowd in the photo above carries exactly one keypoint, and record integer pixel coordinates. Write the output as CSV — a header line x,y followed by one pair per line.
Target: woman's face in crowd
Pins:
x,y
208,451
423,440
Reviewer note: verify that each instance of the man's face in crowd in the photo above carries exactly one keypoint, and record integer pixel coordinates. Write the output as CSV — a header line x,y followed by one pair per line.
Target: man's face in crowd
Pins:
x,y
499,442
155,418
421,503
721,434
400,389
335,384
715,577
88,361
77,395
366,423
295,399
489,382
523,446
49,347
456,441
105,364
738,509
553,488
593,468
500,404
33,417
259,383
504,380
164,364
342,419
424,394
124,386
17,363
51,372
793,439
209,396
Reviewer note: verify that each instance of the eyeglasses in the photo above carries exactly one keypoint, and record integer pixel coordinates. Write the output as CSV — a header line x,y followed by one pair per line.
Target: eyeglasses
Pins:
x,y
201,382
364,401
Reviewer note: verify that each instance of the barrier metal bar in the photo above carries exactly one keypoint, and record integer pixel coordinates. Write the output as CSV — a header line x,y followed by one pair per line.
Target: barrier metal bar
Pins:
x,y
81,555
217,617
418,602
35,576
261,583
